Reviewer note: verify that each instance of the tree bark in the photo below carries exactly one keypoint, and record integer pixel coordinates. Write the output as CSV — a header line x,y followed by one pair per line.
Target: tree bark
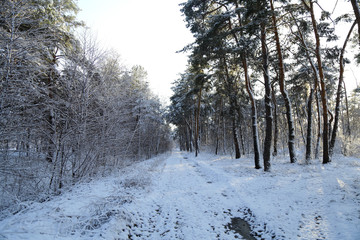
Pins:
x,y
347,130
299,122
240,129
309,107
290,121
197,122
338,94
326,158
236,142
232,98
356,9
253,116
276,129
189,135
218,130
50,118
309,127
251,96
268,110
318,138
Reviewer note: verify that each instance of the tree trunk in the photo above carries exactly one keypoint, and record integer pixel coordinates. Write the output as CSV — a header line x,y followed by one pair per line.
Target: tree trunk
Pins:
x,y
326,158
240,130
251,96
49,81
356,9
291,129
189,134
217,132
268,110
236,142
315,91
253,116
309,127
276,129
338,94
347,130
299,121
197,122
232,98
317,147
331,119
242,139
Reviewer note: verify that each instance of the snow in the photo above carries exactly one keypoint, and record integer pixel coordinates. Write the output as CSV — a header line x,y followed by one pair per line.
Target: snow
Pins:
x,y
179,196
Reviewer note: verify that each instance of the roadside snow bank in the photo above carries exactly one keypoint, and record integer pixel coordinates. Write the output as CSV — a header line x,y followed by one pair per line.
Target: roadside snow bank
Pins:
x,y
88,210
298,201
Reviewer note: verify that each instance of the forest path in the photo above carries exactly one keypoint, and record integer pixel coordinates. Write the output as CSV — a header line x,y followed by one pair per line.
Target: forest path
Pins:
x,y
178,196
191,200
173,196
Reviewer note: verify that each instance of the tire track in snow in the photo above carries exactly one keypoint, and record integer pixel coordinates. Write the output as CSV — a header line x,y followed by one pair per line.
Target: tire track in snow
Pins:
x,y
183,206
190,201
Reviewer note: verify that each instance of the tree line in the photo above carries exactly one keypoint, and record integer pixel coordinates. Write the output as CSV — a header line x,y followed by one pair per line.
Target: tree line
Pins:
x,y
68,108
265,76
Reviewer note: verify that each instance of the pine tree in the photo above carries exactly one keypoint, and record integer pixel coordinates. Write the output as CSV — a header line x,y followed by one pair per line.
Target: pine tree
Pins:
x,y
291,130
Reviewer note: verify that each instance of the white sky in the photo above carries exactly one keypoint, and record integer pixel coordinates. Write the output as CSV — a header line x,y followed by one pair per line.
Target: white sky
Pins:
x,y
143,32
149,32
350,75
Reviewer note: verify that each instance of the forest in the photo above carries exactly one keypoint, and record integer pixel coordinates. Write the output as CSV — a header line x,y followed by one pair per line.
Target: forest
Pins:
x,y
68,109
262,129
267,78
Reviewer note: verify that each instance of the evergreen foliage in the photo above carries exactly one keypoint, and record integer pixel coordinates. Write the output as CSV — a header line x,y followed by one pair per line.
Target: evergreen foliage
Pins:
x,y
252,52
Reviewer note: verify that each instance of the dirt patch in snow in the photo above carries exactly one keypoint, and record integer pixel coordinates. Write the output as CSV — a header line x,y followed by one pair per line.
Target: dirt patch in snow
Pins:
x,y
241,227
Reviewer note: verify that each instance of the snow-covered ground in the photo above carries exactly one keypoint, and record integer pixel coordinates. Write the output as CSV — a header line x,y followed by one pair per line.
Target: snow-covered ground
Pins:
x,y
182,197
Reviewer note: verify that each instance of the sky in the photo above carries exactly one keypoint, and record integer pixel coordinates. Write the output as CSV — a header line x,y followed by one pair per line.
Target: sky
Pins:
x,y
143,32
148,33
337,8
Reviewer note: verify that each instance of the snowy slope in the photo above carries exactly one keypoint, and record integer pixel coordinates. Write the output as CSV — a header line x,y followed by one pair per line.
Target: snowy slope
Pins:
x,y
182,197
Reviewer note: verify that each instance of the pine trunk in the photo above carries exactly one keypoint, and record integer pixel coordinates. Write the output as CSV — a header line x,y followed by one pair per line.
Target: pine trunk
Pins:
x,y
197,122
189,134
314,91
284,93
268,110
217,133
326,158
240,130
253,116
309,127
236,142
251,96
299,122
356,9
276,129
317,147
232,98
347,130
338,94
